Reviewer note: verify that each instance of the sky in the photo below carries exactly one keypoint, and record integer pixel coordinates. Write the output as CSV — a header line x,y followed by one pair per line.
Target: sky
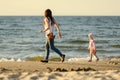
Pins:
x,y
60,7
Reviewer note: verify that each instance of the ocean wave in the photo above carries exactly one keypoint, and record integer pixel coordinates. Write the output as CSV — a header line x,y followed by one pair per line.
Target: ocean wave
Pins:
x,y
65,46
102,41
108,58
116,46
112,27
112,58
15,29
16,25
10,60
1,28
76,59
72,59
78,41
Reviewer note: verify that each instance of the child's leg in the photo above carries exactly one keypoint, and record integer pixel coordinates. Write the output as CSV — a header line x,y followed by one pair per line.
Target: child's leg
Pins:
x,y
90,57
96,56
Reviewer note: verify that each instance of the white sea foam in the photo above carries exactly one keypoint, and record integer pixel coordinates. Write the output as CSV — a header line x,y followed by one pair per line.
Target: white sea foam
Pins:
x,y
10,59
115,59
81,59
76,59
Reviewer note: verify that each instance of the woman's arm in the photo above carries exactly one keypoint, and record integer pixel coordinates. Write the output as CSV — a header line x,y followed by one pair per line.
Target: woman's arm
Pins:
x,y
58,29
46,22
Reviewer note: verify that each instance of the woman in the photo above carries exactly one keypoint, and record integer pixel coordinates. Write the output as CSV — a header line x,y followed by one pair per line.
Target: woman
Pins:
x,y
49,22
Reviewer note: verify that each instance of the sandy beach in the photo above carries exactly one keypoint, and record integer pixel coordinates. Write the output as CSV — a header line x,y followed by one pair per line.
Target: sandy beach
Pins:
x,y
54,70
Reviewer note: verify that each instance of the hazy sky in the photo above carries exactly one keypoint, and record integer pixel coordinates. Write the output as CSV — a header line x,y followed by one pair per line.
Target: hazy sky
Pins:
x,y
60,7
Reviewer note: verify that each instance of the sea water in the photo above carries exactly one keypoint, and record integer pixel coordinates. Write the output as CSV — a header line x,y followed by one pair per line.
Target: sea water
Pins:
x,y
20,37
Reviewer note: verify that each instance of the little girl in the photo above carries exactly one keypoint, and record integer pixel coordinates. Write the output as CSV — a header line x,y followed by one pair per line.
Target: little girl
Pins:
x,y
92,47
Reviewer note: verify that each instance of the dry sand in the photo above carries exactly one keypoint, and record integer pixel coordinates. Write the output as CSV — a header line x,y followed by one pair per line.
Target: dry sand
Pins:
x,y
79,70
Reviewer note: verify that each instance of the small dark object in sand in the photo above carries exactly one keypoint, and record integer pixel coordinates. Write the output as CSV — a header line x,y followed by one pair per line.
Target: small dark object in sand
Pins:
x,y
72,69
79,69
49,69
58,69
113,62
64,70
4,69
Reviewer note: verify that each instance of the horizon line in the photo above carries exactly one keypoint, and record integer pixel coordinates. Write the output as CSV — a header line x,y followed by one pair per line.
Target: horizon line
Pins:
x,y
61,15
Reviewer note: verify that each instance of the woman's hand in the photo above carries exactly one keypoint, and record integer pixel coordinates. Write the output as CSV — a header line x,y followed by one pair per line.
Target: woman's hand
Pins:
x,y
88,48
41,30
60,35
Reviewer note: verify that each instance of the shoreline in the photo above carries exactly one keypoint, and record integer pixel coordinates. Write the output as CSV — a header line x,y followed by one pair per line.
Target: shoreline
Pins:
x,y
38,58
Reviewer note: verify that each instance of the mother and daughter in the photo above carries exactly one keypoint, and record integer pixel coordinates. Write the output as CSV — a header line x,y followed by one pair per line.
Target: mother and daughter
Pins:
x,y
49,22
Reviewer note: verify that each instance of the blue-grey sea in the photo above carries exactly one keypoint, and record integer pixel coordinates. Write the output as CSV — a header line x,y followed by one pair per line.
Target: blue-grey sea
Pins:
x,y
20,36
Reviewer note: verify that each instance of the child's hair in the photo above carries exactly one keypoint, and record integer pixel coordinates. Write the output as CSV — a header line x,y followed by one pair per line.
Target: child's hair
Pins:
x,y
90,35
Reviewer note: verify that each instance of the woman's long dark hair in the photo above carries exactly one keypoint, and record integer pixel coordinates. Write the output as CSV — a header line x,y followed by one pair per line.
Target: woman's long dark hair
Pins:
x,y
48,14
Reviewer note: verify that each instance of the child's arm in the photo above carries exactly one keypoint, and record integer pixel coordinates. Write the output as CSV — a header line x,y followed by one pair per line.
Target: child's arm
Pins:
x,y
89,45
